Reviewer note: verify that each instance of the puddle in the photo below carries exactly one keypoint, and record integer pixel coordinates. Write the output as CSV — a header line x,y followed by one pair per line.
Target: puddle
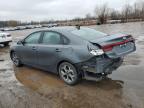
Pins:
x,y
132,59
51,87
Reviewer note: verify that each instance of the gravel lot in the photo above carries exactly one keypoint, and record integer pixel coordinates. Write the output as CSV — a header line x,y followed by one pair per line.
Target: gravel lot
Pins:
x,y
26,87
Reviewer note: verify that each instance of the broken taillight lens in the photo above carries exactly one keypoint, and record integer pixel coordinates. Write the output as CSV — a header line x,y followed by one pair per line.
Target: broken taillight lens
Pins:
x,y
109,47
97,52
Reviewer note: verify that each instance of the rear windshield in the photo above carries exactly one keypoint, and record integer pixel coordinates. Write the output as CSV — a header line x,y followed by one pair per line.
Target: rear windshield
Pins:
x,y
88,33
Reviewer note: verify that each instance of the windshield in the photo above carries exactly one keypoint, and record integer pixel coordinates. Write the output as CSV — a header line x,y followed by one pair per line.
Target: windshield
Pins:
x,y
88,33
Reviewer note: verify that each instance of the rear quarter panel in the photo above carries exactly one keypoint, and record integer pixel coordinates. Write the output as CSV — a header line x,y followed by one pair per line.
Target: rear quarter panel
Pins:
x,y
75,53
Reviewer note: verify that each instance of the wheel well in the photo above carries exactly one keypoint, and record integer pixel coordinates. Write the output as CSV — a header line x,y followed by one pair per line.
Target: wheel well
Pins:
x,y
11,53
62,62
68,62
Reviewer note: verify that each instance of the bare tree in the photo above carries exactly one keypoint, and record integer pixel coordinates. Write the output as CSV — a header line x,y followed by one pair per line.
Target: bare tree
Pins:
x,y
142,10
12,23
114,14
136,12
88,16
102,13
126,12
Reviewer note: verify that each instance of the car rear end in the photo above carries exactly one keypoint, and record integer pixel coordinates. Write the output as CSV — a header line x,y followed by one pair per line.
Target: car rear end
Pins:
x,y
115,47
108,53
99,66
5,38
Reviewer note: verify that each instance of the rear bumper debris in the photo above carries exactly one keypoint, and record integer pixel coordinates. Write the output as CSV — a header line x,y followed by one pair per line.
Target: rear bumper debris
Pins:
x,y
99,66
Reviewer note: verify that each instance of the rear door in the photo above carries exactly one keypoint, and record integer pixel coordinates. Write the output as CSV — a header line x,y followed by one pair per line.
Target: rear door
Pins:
x,y
49,49
28,50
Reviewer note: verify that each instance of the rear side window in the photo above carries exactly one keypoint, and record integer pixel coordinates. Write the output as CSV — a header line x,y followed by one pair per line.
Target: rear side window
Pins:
x,y
88,34
51,38
33,38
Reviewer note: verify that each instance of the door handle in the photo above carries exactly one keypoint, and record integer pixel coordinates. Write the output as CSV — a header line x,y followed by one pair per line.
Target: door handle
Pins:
x,y
58,50
33,48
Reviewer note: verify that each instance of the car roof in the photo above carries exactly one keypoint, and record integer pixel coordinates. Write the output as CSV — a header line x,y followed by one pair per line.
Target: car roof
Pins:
x,y
62,29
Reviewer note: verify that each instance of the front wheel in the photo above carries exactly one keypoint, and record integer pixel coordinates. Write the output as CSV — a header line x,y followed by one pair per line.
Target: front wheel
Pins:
x,y
15,59
68,73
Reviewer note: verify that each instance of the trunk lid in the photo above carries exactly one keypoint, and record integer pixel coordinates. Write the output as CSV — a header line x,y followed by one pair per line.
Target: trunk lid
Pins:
x,y
117,45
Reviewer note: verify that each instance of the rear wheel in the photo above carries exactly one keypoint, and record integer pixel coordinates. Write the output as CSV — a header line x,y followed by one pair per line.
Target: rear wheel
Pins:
x,y
68,73
15,59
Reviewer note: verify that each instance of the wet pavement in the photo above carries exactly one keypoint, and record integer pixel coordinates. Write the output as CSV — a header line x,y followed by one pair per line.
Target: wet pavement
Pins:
x,y
27,87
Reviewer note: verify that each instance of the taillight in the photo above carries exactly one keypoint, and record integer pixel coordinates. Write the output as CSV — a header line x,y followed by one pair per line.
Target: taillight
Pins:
x,y
109,47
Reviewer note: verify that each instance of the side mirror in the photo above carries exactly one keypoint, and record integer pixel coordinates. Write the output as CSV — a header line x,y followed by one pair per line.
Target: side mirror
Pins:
x,y
20,42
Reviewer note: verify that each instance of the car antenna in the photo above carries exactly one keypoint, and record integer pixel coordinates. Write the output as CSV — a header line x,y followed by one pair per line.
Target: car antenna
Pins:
x,y
78,27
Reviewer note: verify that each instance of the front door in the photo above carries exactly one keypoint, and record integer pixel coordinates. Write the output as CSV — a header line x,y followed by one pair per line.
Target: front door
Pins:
x,y
28,50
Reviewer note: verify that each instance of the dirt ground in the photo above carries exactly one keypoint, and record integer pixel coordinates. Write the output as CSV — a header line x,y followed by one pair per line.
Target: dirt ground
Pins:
x,y
26,87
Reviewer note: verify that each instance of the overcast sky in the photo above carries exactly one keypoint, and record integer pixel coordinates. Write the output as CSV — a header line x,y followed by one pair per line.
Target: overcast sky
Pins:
x,y
26,10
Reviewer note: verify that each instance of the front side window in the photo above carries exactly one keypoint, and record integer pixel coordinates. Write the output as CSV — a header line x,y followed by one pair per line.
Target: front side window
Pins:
x,y
33,38
51,38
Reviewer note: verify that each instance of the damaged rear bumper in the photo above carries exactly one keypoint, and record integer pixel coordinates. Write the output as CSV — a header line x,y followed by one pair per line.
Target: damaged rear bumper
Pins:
x,y
99,66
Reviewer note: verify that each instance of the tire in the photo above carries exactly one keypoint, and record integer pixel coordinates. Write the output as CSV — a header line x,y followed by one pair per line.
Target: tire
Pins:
x,y
6,44
15,59
68,73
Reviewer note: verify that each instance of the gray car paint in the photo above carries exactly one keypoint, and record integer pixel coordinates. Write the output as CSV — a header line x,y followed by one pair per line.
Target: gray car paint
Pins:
x,y
48,58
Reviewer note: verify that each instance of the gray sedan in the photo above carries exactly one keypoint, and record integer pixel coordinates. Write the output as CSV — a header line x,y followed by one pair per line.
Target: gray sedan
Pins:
x,y
73,52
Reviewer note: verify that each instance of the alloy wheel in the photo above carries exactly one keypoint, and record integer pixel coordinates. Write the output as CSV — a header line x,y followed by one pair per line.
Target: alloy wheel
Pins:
x,y
68,73
15,59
